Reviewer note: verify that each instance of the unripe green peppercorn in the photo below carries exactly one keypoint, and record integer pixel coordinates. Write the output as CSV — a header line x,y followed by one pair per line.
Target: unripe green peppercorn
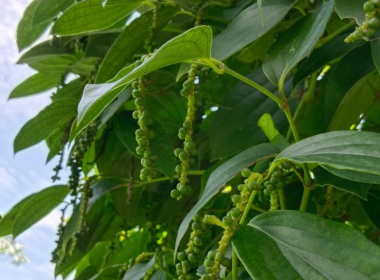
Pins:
x,y
246,172
182,256
219,256
235,212
175,193
197,218
227,221
236,198
368,7
207,263
135,115
374,22
183,156
211,255
197,250
177,152
188,85
140,150
198,241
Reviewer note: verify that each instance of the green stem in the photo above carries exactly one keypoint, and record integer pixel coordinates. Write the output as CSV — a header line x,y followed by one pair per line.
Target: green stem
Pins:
x,y
279,102
234,265
308,97
305,198
242,220
328,38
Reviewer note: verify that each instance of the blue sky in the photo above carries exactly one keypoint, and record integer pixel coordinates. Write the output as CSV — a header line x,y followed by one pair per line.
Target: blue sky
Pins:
x,y
26,172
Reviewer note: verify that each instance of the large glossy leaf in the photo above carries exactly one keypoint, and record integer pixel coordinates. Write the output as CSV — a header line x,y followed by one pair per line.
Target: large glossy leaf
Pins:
x,y
357,101
354,175
35,84
296,43
323,55
351,9
27,34
355,65
6,223
325,178
89,16
221,175
234,127
37,207
247,27
304,246
48,10
375,45
138,271
352,150
130,42
45,123
193,44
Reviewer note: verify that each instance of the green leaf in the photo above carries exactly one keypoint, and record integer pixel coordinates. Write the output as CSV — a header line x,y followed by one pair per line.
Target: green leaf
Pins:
x,y
161,144
355,65
354,175
258,49
247,27
305,246
357,101
45,123
121,2
352,150
159,275
296,43
92,261
244,106
221,175
261,257
325,178
6,223
57,65
37,207
138,271
267,125
375,45
27,34
323,55
42,51
133,36
89,16
46,10
351,9
35,84
193,44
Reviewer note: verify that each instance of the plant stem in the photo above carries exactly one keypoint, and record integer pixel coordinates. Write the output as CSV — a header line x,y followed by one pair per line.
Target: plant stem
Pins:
x,y
306,98
305,198
328,38
234,265
242,220
279,102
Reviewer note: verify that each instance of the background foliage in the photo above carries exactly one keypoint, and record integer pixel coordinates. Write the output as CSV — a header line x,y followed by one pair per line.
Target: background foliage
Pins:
x,y
287,88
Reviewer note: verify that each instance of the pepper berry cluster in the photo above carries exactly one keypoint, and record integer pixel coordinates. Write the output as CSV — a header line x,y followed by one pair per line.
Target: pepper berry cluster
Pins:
x,y
185,133
189,258
367,30
143,134
76,159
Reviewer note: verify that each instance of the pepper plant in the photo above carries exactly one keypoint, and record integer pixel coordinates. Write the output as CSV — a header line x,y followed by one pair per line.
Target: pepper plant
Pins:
x,y
219,139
